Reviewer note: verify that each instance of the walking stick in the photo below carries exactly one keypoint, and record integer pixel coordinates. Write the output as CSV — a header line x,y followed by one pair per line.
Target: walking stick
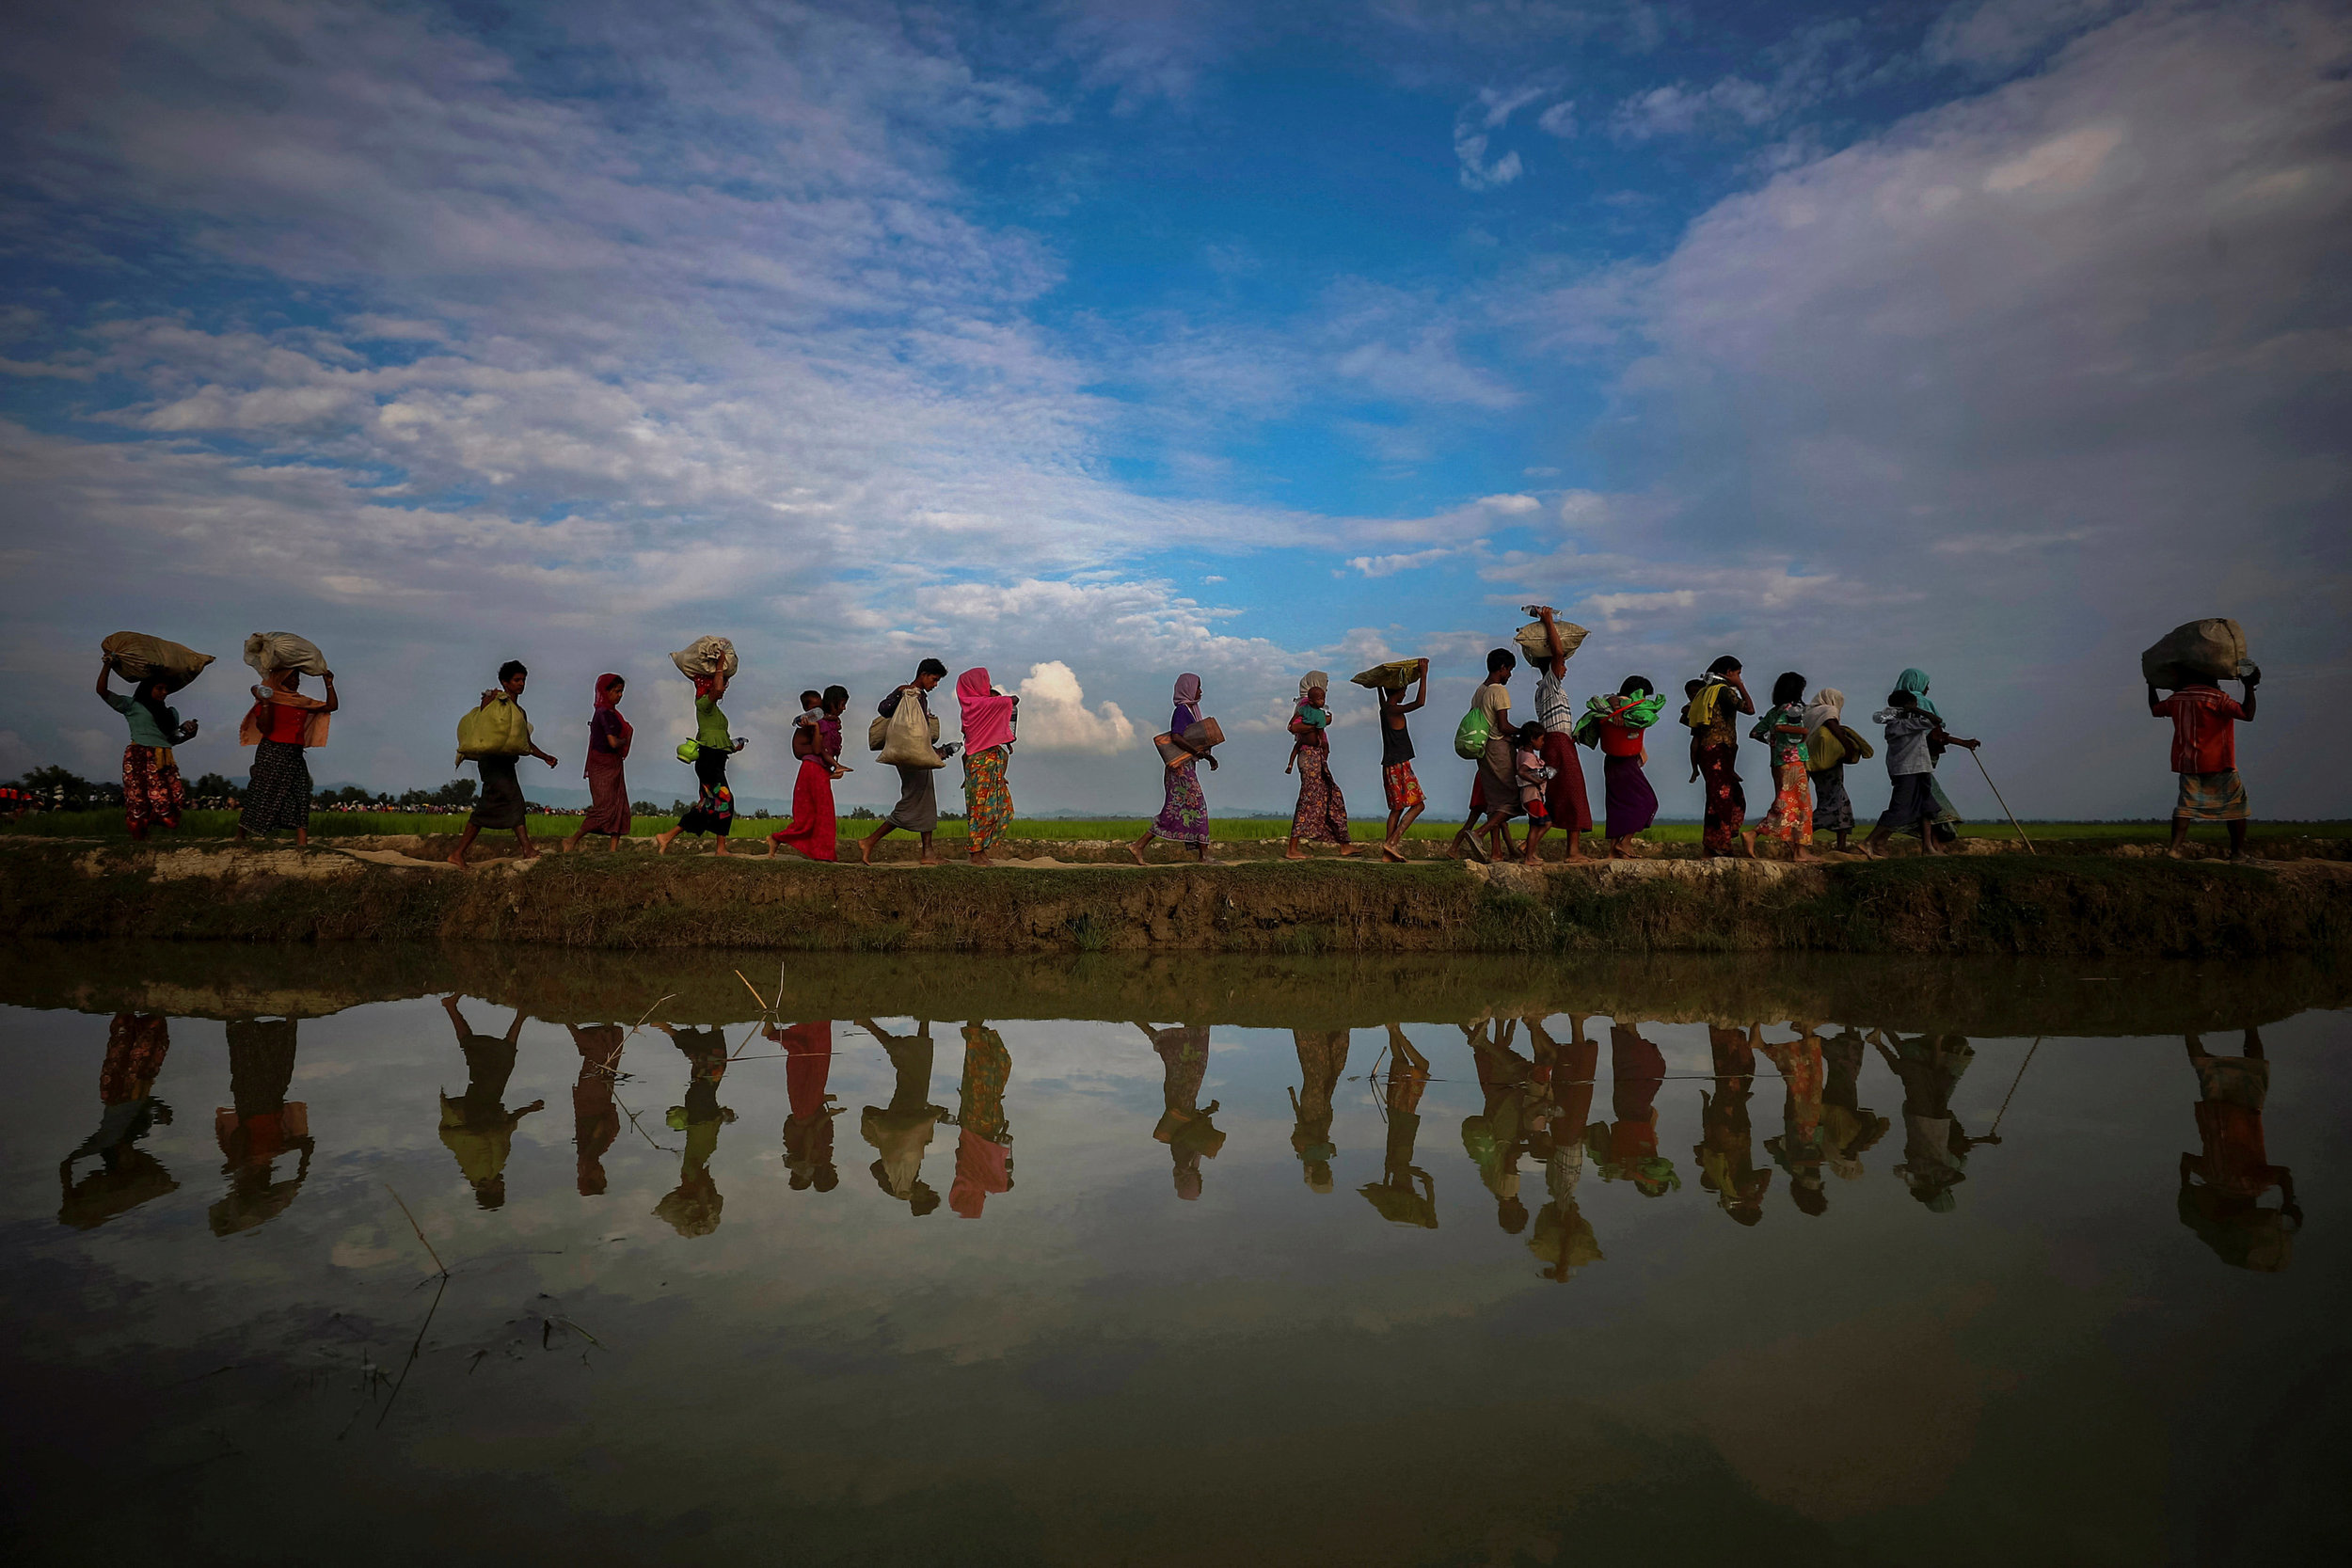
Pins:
x,y
1995,1137
1996,795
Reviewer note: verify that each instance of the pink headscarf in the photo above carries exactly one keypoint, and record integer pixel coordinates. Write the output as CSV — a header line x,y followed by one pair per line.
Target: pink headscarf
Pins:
x,y
987,718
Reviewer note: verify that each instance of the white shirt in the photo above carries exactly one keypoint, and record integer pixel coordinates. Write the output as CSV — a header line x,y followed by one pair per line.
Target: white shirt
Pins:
x,y
1553,710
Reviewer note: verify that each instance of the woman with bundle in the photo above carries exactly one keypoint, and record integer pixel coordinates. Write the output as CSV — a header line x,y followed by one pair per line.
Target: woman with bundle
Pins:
x,y
713,811
608,736
151,791
1184,810
1829,745
1782,729
1615,725
1712,717
1321,814
811,832
988,716
280,725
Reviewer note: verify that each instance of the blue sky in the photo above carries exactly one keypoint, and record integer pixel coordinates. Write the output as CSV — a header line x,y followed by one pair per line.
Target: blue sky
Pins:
x,y
1099,342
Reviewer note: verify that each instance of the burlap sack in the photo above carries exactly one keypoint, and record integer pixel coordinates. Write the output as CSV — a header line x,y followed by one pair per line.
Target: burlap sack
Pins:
x,y
2210,650
704,657
270,650
1537,648
138,657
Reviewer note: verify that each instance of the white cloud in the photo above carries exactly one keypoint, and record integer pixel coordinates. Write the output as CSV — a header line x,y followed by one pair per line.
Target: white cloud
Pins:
x,y
1055,717
1994,34
1559,119
1389,565
1511,505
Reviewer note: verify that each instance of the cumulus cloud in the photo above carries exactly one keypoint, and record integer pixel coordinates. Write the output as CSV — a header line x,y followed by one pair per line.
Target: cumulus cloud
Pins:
x,y
1055,715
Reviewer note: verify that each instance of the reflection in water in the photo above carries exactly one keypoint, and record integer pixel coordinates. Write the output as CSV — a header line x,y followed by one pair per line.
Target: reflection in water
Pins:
x,y
1493,1138
1848,1129
902,1130
1406,1194
595,1118
126,1176
1322,1062
1628,1151
1798,1150
692,1207
476,1127
808,1129
1935,1145
1726,1149
984,1141
1184,1125
260,1126
1564,1237
2221,1189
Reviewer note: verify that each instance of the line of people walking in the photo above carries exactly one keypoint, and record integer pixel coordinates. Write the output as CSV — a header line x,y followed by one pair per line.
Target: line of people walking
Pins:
x,y
1527,770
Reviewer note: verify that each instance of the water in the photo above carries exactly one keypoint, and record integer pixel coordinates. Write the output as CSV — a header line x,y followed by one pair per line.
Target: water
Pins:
x,y
1135,1301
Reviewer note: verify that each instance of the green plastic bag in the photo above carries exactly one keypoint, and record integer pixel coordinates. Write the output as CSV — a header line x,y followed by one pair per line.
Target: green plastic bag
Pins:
x,y
1469,736
689,751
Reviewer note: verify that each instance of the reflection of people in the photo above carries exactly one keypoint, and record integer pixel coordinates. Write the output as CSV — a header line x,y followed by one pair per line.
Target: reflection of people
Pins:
x,y
127,1176
984,1136
1935,1145
261,1127
1322,1062
1184,1125
1799,1150
1628,1151
692,1207
1493,1138
1727,1148
1564,1237
1406,1194
1848,1129
476,1127
902,1130
808,1130
596,1119
2221,1189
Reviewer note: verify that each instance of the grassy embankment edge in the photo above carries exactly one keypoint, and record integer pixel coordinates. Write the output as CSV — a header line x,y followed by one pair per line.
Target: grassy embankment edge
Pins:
x,y
2015,905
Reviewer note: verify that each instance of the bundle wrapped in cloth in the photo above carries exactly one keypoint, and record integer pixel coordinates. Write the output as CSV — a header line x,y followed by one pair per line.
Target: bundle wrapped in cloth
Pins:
x,y
706,657
498,728
138,658
1537,648
2211,650
1395,675
1198,739
271,650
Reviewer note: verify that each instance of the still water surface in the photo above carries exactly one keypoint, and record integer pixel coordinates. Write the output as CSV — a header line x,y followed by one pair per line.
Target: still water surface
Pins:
x,y
1343,1267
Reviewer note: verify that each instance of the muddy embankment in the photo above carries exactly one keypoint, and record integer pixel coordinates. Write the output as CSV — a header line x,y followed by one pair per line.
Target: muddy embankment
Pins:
x,y
2006,905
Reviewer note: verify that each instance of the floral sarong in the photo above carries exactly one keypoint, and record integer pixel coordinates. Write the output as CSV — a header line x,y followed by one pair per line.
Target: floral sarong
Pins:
x,y
714,803
1726,803
1321,816
1791,816
1184,811
1402,788
151,791
987,798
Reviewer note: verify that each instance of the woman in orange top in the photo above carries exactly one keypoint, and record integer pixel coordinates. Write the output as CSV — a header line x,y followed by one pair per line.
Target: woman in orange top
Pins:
x,y
281,724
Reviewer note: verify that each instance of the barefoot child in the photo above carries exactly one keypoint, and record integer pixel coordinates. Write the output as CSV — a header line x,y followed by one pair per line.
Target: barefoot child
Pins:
x,y
1534,776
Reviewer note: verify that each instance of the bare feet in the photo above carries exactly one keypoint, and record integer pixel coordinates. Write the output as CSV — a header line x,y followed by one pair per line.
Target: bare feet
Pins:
x,y
1294,853
662,842
458,860
771,848
1391,853
1351,851
979,857
1136,851
865,851
927,860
